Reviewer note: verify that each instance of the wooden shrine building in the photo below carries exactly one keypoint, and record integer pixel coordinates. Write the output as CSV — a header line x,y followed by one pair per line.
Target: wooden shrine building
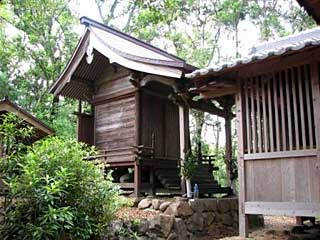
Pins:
x,y
139,117
277,92
41,130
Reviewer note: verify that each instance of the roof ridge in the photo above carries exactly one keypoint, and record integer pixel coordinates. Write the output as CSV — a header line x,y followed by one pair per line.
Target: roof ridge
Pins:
x,y
88,21
254,48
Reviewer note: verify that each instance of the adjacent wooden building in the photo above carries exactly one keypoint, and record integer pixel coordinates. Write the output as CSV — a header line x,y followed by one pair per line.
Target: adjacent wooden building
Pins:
x,y
277,93
139,117
41,130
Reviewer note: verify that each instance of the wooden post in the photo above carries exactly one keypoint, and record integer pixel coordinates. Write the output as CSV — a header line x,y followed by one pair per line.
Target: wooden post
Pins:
x,y
228,150
243,219
315,86
137,167
137,179
182,143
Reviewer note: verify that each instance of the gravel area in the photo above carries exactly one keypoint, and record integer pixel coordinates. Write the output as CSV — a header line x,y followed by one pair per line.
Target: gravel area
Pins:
x,y
132,213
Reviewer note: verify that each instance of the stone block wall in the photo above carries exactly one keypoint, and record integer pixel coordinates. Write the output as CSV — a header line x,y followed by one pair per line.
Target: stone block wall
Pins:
x,y
180,219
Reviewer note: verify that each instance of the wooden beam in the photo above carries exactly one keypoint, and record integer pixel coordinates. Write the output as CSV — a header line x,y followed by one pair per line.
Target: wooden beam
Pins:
x,y
204,106
214,93
283,208
282,154
243,219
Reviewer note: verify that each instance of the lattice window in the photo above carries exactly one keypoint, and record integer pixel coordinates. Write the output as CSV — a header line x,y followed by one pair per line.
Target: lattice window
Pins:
x,y
279,111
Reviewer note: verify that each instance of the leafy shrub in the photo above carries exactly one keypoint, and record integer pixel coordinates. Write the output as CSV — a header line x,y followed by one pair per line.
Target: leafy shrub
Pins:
x,y
15,135
57,194
189,166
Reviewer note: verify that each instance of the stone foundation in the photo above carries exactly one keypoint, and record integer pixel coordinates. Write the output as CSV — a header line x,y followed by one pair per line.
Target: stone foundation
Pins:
x,y
180,219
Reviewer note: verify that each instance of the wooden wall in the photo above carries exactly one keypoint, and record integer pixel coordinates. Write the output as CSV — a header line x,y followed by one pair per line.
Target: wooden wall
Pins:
x,y
114,110
278,113
292,179
161,118
116,116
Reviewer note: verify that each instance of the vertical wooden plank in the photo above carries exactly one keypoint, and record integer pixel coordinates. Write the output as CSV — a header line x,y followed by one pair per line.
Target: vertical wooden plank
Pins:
x,y
265,118
259,130
289,116
303,126
253,115
243,219
295,109
248,119
309,104
270,116
283,121
276,110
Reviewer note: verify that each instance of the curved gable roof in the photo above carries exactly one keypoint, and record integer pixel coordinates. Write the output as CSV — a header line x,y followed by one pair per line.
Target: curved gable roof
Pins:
x,y
122,49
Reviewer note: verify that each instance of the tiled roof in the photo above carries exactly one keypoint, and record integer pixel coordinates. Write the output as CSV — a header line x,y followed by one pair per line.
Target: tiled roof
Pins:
x,y
266,50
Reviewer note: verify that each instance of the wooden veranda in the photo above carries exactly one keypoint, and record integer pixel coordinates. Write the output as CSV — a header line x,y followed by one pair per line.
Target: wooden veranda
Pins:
x,y
277,92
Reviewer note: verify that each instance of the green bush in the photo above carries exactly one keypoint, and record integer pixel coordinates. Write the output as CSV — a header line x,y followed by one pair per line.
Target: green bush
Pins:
x,y
190,165
57,194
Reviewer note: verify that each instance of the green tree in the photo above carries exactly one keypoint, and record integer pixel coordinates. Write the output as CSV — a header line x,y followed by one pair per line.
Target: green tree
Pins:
x,y
39,39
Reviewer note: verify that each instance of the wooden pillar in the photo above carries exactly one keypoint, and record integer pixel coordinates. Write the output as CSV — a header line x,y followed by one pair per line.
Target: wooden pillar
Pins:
x,y
243,219
182,131
228,150
137,167
137,179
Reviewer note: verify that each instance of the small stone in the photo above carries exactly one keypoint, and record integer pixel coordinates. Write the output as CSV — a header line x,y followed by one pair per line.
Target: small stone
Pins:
x,y
156,204
164,206
145,203
208,218
161,225
136,201
195,222
179,209
223,205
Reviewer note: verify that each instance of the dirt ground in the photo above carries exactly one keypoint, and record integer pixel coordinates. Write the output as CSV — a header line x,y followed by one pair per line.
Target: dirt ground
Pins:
x,y
276,228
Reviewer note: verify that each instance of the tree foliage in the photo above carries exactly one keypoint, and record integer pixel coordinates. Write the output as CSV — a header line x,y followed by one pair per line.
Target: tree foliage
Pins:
x,y
53,192
39,39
